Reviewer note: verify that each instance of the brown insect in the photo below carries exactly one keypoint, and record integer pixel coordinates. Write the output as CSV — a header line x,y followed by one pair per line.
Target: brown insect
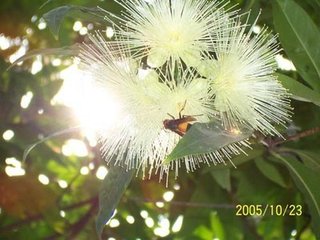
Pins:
x,y
179,125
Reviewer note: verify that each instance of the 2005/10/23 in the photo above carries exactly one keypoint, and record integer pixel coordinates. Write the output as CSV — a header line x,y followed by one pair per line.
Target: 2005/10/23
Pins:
x,y
270,209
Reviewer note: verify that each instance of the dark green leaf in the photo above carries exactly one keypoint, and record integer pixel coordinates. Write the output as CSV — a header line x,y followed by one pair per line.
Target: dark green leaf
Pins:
x,y
113,187
310,158
307,181
55,17
298,90
300,38
205,138
270,171
222,176
252,187
256,151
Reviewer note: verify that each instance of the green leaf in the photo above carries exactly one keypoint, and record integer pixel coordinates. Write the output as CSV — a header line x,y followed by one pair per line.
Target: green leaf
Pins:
x,y
300,38
307,182
54,18
253,188
205,138
310,158
203,232
113,187
270,171
216,226
222,177
298,90
257,151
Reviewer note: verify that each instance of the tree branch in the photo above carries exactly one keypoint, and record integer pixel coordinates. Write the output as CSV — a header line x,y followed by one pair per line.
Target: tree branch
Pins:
x,y
38,217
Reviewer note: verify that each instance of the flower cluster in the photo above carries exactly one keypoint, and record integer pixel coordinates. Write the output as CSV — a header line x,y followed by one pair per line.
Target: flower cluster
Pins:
x,y
190,57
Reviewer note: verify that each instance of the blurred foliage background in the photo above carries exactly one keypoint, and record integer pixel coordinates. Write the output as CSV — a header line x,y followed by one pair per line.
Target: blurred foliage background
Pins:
x,y
54,193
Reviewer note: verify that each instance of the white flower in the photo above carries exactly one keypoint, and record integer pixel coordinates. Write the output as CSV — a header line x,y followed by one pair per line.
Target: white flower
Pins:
x,y
243,84
176,29
138,139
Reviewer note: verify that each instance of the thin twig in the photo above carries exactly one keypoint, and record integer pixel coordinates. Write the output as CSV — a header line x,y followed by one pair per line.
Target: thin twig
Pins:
x,y
38,217
187,204
297,136
81,223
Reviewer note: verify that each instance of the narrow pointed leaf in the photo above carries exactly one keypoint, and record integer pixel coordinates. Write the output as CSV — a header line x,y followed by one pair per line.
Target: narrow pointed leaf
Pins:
x,y
223,178
63,51
298,90
112,189
53,135
307,182
55,17
205,138
310,158
270,171
216,226
299,36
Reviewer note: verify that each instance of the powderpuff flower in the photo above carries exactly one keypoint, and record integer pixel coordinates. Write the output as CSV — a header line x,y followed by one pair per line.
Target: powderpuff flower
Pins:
x,y
242,80
176,29
137,137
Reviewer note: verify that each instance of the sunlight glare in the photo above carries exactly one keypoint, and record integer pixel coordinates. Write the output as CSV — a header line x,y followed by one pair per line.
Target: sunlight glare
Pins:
x,y
91,166
34,18
149,222
164,225
176,227
36,66
101,172
84,171
4,42
96,109
43,179
56,62
77,26
109,32
160,204
284,63
176,186
144,214
19,53
256,29
42,24
114,223
83,31
62,213
130,219
26,99
293,232
168,196
13,161
90,26
62,183
8,135
15,169
74,147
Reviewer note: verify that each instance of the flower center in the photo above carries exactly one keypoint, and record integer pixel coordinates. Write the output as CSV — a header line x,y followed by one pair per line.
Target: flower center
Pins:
x,y
174,40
